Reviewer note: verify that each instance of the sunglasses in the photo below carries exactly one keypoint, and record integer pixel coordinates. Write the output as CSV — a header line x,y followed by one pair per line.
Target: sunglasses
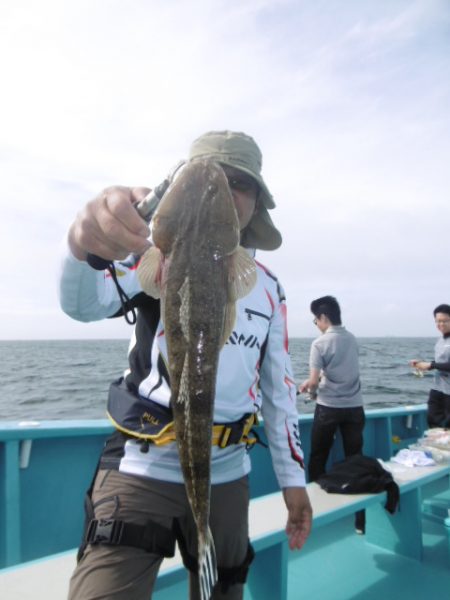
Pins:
x,y
241,184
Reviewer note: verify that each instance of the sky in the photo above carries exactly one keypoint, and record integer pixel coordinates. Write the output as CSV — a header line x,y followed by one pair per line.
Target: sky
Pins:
x,y
348,100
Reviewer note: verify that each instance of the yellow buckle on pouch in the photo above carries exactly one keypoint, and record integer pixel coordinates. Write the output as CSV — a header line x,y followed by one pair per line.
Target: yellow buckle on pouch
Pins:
x,y
222,433
251,421
165,437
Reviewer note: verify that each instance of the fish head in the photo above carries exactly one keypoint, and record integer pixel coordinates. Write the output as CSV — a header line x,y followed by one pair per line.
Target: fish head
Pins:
x,y
197,215
218,210
198,205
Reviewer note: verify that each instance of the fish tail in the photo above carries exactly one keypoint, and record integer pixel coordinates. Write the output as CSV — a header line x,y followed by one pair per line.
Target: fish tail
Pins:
x,y
207,567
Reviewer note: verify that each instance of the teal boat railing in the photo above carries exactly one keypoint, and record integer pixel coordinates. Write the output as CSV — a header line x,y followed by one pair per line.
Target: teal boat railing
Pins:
x,y
45,468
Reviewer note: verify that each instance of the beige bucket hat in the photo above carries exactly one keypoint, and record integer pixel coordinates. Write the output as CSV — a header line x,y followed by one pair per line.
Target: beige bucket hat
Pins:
x,y
240,151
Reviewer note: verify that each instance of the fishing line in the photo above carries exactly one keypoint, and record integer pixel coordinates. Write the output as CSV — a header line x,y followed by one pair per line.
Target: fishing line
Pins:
x,y
415,372
372,349
125,302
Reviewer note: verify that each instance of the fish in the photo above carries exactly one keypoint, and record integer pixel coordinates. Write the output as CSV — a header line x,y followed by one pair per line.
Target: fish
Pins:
x,y
198,270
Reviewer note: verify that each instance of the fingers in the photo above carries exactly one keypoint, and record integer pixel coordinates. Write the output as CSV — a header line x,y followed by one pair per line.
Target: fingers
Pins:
x,y
139,193
421,365
304,386
297,538
298,526
109,226
298,532
117,215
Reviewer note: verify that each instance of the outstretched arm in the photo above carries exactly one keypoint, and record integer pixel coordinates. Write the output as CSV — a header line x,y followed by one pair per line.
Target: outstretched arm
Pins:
x,y
424,365
110,227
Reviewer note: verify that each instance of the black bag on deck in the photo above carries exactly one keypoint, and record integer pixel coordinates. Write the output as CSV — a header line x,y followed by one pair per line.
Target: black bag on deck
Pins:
x,y
361,475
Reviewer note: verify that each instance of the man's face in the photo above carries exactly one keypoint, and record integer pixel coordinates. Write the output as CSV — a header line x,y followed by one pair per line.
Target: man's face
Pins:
x,y
442,321
321,322
244,190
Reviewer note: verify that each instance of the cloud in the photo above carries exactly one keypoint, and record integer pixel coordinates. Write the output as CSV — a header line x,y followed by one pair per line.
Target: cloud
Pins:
x,y
349,102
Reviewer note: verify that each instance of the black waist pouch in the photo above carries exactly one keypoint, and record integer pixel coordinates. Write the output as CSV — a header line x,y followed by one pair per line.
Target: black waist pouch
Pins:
x,y
135,415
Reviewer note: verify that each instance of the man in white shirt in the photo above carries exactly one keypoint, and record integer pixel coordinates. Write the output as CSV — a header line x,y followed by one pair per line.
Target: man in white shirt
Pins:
x,y
139,485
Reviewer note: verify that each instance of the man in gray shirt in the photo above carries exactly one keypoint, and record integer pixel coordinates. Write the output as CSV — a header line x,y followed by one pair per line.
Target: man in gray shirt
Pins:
x,y
334,380
438,414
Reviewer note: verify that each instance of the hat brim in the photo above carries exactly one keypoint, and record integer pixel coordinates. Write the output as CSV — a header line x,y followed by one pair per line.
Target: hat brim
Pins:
x,y
261,233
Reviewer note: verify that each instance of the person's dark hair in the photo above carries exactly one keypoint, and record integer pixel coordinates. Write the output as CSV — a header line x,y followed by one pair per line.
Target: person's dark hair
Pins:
x,y
328,306
442,308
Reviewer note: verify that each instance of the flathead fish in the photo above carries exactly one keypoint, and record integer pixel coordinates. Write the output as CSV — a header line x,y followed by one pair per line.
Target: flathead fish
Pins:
x,y
198,269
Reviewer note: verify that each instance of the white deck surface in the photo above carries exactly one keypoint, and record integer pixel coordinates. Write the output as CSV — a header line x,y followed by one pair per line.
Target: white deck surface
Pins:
x,y
48,579
39,579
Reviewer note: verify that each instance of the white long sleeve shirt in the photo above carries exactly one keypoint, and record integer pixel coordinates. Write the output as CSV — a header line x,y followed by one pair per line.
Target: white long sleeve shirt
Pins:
x,y
254,373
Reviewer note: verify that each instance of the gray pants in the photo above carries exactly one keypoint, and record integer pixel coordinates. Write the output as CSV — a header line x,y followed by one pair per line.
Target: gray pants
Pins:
x,y
127,573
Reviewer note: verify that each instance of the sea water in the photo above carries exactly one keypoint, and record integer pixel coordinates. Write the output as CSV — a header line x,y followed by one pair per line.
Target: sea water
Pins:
x,y
69,379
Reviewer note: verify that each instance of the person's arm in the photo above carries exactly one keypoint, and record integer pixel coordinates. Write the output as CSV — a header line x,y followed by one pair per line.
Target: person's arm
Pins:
x,y
315,369
440,366
424,365
312,383
104,227
281,426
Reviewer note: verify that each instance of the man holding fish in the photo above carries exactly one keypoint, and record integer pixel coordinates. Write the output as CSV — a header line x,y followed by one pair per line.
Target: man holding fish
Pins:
x,y
210,349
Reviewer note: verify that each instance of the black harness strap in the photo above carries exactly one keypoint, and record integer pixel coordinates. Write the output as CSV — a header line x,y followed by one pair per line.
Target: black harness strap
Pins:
x,y
151,537
88,514
231,575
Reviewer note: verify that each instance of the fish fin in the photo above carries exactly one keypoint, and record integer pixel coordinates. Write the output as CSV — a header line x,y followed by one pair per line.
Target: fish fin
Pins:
x,y
149,272
228,322
207,567
242,274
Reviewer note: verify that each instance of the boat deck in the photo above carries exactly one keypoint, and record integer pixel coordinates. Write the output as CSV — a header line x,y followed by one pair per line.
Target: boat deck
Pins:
x,y
336,564
349,568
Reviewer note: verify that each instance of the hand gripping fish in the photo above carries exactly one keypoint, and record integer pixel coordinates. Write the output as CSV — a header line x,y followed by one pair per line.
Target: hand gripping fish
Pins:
x,y
198,269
